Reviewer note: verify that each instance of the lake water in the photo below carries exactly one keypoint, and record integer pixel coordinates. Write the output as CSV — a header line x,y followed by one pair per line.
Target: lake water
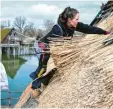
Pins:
x,y
18,70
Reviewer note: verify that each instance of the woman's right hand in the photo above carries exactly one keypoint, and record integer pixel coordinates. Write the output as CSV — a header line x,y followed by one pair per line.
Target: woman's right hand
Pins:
x,y
107,32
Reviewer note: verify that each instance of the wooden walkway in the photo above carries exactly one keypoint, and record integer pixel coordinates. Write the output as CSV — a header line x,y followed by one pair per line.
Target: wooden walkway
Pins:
x,y
9,45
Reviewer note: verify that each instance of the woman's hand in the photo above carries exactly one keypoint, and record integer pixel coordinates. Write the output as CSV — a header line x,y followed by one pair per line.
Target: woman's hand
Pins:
x,y
108,32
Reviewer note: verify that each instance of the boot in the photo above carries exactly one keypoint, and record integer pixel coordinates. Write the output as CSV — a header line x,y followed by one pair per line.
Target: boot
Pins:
x,y
36,93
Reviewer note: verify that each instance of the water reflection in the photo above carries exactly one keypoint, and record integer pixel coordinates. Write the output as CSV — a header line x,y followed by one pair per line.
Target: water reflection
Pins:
x,y
12,64
18,70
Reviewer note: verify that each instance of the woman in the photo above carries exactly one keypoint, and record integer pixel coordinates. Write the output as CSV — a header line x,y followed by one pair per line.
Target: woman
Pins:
x,y
68,22
39,48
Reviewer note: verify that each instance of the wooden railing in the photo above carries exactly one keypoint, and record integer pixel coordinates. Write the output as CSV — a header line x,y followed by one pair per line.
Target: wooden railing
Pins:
x,y
9,98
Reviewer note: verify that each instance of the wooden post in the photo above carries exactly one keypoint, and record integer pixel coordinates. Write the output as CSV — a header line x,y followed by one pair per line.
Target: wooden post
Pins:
x,y
24,49
14,51
18,50
8,51
9,93
28,49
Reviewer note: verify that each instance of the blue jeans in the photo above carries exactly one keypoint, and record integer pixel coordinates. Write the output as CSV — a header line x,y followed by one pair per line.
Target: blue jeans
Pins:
x,y
42,64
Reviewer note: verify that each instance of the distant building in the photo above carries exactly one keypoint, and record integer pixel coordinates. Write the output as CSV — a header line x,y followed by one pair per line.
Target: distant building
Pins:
x,y
9,36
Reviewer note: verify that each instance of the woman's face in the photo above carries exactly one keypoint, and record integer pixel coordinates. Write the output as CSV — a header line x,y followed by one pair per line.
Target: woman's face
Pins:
x,y
73,22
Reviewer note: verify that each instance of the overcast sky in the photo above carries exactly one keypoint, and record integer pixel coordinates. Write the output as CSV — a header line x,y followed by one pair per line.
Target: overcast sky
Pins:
x,y
38,11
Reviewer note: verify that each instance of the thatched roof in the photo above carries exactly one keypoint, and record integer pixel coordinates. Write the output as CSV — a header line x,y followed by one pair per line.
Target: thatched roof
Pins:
x,y
4,33
104,12
84,77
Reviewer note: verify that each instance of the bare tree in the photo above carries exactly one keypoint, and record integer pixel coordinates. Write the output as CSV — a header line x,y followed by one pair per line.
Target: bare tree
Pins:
x,y
5,24
8,23
30,30
20,23
2,26
48,25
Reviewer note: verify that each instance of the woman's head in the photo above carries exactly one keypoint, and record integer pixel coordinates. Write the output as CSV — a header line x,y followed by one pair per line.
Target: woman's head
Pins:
x,y
69,16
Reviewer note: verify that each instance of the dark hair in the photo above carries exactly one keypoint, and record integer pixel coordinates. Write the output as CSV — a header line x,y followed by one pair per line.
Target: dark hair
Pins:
x,y
67,13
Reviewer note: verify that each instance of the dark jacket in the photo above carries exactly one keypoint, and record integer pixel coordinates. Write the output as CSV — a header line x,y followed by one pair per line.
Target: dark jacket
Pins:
x,y
62,30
